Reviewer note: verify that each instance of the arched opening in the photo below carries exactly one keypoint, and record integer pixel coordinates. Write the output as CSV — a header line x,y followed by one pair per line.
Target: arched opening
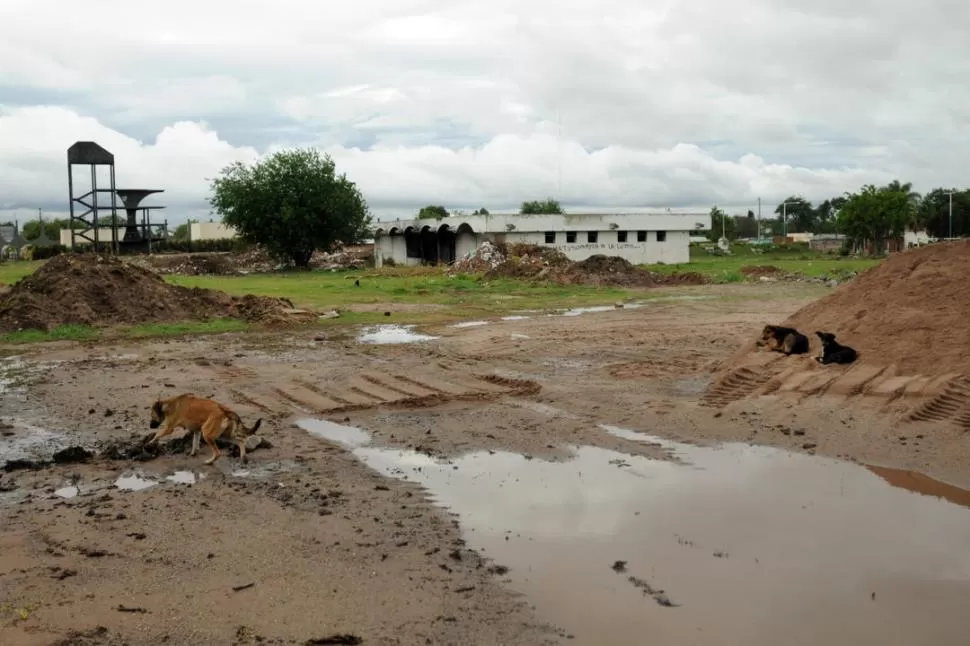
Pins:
x,y
465,241
412,243
429,245
446,244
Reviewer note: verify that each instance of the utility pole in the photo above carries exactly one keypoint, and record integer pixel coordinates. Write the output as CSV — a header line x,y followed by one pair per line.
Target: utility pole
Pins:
x,y
950,237
759,219
784,218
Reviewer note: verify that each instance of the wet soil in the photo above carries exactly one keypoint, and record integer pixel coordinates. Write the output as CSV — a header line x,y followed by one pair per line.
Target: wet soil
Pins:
x,y
308,541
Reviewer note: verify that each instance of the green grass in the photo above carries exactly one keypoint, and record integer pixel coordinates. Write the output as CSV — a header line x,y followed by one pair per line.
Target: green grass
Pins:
x,y
727,269
215,326
427,295
60,333
461,295
11,271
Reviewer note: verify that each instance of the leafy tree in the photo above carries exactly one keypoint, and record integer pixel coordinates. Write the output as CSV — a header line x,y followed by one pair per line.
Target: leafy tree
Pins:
x,y
746,226
481,211
718,220
548,206
182,232
292,203
875,215
433,212
934,212
31,230
798,214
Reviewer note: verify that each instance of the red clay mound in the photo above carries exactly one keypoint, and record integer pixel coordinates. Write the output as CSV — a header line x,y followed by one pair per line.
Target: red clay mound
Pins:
x,y
89,289
913,310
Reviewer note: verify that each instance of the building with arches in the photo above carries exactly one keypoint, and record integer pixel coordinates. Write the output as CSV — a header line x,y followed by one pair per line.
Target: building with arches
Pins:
x,y
643,238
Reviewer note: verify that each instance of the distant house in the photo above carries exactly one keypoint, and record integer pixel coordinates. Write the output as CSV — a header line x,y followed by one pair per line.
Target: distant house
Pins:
x,y
638,238
210,231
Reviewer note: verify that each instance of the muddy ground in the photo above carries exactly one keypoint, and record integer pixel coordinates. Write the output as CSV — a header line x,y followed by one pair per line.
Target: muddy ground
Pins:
x,y
305,542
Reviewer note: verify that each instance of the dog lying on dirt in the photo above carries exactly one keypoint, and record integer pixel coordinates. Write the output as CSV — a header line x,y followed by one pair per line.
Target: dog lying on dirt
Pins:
x,y
834,352
786,340
205,417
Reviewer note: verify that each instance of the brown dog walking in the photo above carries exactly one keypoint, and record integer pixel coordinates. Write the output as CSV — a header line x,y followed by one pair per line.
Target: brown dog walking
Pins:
x,y
201,416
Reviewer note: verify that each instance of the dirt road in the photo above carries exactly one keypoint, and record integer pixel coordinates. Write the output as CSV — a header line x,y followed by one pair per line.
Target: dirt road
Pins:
x,y
309,541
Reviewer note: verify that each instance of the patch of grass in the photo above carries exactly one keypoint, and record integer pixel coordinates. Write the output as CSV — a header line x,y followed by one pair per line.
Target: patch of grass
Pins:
x,y
215,326
336,290
13,270
60,333
727,269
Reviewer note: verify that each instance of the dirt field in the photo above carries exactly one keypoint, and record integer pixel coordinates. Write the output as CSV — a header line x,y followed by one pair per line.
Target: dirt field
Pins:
x,y
307,543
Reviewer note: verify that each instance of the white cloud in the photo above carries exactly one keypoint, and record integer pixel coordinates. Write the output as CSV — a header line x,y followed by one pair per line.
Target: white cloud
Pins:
x,y
461,103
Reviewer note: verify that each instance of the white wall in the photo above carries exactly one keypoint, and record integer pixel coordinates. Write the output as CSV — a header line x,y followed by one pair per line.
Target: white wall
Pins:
x,y
210,231
104,235
674,250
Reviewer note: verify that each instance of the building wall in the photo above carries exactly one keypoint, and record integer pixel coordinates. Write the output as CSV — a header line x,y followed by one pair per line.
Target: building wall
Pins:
x,y
674,249
210,231
104,235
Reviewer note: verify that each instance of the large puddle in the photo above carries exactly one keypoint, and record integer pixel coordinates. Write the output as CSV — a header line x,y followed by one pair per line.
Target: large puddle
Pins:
x,y
734,545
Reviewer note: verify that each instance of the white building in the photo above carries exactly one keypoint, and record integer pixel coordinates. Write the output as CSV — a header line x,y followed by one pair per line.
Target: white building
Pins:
x,y
638,238
210,231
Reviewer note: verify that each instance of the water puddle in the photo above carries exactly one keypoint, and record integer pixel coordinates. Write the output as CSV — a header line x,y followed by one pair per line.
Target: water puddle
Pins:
x,y
185,477
465,324
134,482
72,491
515,317
22,441
732,544
346,436
386,334
519,337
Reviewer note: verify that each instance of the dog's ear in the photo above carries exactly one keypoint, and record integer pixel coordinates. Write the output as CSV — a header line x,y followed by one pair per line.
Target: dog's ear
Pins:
x,y
157,408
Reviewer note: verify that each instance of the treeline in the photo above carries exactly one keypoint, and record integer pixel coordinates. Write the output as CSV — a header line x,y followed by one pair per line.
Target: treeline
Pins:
x,y
873,215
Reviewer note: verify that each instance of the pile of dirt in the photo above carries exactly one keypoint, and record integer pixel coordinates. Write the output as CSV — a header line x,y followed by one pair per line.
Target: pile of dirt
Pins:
x,y
616,271
527,261
95,290
485,258
911,310
537,262
188,264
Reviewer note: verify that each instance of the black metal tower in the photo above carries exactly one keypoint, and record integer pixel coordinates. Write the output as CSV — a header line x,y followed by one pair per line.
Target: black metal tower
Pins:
x,y
86,226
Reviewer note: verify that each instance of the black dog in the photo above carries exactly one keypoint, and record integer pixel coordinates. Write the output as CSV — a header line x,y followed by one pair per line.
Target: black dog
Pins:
x,y
834,352
783,339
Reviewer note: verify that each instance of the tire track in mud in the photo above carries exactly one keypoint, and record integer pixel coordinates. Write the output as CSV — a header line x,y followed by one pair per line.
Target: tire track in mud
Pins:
x,y
951,404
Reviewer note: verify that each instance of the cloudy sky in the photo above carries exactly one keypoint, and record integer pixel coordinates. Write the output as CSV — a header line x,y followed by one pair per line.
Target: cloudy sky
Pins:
x,y
616,103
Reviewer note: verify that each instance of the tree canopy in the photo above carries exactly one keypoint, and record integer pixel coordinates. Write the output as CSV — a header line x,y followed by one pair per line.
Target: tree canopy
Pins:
x,y
721,222
875,215
548,206
292,203
433,212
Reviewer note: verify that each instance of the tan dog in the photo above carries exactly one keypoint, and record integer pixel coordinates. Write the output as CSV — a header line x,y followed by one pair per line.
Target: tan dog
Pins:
x,y
200,416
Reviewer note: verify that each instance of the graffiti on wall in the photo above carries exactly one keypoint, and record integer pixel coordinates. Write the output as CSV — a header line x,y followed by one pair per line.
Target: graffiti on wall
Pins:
x,y
599,246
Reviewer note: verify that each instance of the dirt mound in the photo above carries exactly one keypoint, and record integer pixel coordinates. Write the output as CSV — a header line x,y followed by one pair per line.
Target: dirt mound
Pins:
x,y
911,310
545,263
615,271
486,257
89,289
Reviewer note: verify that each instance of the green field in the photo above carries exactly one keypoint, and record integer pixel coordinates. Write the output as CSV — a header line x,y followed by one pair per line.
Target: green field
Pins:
x,y
800,260
428,295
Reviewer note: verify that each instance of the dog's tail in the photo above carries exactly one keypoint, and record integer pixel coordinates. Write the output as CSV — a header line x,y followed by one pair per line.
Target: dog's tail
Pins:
x,y
255,427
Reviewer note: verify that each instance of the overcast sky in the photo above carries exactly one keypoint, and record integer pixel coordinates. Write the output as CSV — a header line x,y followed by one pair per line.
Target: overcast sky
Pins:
x,y
615,103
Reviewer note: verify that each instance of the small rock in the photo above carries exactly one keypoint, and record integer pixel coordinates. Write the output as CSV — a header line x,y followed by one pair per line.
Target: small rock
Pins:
x,y
809,445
